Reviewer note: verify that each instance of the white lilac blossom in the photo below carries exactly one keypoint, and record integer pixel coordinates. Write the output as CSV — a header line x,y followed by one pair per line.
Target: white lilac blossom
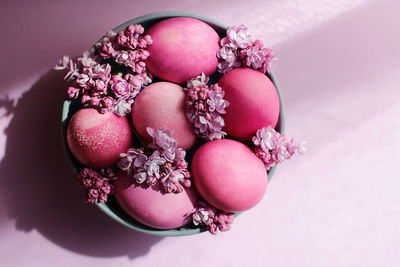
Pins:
x,y
205,106
62,63
91,75
273,147
166,164
122,107
162,139
152,165
213,219
238,49
132,159
239,36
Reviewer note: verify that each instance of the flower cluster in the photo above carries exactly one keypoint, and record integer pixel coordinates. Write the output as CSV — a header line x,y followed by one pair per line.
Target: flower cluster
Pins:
x,y
204,108
166,164
96,184
214,219
273,147
238,49
127,48
95,83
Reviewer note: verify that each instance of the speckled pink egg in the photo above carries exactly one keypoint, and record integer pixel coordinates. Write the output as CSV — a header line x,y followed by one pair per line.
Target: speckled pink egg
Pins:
x,y
182,49
162,105
254,102
96,140
153,208
229,175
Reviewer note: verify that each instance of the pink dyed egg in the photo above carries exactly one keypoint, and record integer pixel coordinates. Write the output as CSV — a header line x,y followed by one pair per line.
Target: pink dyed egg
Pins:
x,y
151,207
162,105
96,140
182,48
229,175
254,102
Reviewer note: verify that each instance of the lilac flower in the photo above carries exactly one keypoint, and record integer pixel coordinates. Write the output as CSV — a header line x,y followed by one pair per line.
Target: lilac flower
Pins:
x,y
87,60
204,107
73,71
239,36
122,57
153,163
199,81
216,101
120,87
83,79
258,58
174,181
132,159
162,139
228,56
106,48
202,216
96,185
273,147
214,219
100,86
62,63
141,176
72,92
238,49
122,107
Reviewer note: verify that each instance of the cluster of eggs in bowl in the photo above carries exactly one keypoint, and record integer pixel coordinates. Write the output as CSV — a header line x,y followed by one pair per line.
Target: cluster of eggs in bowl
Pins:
x,y
211,162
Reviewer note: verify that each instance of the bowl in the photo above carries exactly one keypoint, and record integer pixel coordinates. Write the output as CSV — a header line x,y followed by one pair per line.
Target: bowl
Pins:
x,y
111,207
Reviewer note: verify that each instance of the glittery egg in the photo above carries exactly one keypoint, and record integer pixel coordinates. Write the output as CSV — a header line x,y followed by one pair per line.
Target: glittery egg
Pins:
x,y
152,207
254,102
162,105
229,175
96,139
182,48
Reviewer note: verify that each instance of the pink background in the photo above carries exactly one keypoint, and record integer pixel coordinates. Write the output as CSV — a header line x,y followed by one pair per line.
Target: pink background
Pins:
x,y
339,205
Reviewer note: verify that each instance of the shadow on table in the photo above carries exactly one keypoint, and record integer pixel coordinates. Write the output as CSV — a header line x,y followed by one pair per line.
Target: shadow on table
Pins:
x,y
38,188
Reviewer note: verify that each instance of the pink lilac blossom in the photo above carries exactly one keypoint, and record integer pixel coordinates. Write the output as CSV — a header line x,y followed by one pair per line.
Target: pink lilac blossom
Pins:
x,y
166,165
96,184
238,49
93,82
205,106
214,219
273,147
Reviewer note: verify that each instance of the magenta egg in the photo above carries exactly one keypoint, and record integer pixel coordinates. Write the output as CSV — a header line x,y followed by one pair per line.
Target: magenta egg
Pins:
x,y
96,139
153,208
162,105
254,102
229,175
182,49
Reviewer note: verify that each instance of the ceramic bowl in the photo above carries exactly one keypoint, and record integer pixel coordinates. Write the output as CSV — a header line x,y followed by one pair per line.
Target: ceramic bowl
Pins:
x,y
111,208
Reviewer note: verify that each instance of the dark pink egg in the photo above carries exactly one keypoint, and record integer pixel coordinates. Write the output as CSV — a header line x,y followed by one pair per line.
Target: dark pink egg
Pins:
x,y
96,140
229,175
254,102
162,105
182,49
153,208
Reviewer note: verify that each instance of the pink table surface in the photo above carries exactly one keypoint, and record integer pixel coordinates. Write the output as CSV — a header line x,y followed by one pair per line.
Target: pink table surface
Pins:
x,y
339,205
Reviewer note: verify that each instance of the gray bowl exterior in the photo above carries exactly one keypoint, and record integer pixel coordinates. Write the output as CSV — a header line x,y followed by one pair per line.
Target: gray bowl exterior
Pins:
x,y
111,208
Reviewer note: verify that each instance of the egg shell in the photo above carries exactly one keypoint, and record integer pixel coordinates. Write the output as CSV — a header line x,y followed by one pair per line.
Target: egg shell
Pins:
x,y
162,105
254,102
182,48
96,139
153,208
229,175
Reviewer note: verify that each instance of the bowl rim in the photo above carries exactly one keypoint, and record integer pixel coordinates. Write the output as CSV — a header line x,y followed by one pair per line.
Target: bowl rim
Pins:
x,y
131,223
